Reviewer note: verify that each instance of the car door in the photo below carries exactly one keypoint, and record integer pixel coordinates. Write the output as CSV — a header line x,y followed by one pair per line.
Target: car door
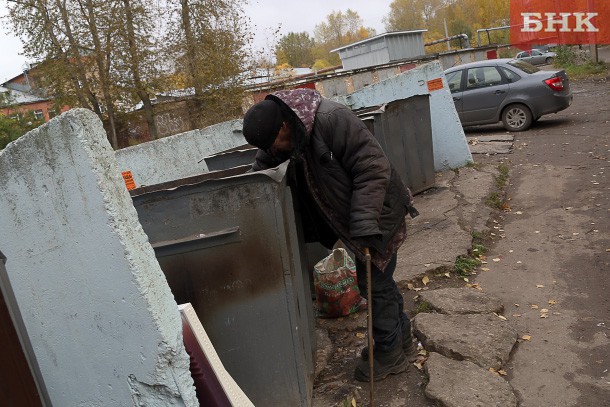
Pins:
x,y
454,81
537,57
525,56
484,91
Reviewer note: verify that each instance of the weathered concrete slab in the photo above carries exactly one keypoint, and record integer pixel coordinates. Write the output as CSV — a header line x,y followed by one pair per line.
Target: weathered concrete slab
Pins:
x,y
472,187
461,301
464,384
493,137
102,321
491,147
448,215
481,338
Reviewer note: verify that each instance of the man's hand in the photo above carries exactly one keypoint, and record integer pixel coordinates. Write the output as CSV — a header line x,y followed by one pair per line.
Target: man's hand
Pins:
x,y
371,241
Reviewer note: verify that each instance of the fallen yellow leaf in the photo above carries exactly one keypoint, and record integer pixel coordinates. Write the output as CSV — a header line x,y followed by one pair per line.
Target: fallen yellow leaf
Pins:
x,y
552,302
360,335
419,365
526,337
492,370
539,286
484,269
503,372
353,402
410,286
544,315
544,311
534,306
425,280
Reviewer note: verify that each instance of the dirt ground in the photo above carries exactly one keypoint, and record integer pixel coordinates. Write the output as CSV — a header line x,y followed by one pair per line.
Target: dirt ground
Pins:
x,y
560,164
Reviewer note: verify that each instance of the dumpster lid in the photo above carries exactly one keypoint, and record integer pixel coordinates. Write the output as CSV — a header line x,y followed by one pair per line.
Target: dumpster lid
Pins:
x,y
277,174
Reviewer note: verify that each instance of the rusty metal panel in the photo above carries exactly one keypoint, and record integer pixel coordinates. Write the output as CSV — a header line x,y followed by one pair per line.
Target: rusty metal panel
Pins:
x,y
21,383
404,131
230,247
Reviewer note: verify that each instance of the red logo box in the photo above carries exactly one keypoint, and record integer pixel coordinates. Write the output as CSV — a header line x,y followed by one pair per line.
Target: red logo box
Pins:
x,y
537,22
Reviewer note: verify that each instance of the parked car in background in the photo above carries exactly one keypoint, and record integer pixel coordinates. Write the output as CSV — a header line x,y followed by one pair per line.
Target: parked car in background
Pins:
x,y
537,57
507,90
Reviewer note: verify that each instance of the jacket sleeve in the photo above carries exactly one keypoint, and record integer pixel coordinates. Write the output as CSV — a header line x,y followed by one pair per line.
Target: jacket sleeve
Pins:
x,y
363,159
263,161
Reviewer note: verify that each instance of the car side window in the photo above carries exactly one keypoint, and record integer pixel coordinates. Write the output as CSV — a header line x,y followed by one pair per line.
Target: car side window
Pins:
x,y
510,75
454,81
483,77
535,52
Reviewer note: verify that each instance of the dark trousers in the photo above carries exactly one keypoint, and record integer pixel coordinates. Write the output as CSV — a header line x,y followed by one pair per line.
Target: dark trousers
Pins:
x,y
389,318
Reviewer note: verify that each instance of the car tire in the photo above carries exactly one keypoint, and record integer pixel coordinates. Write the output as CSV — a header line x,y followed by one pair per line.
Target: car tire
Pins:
x,y
549,60
517,117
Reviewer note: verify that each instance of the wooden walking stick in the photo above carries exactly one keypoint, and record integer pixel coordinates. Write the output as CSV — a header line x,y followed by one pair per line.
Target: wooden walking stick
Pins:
x,y
369,321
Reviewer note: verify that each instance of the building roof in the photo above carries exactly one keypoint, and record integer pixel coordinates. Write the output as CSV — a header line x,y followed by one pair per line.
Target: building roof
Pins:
x,y
16,97
388,34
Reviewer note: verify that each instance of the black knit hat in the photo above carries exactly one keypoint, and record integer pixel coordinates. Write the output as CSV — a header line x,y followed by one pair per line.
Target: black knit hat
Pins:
x,y
262,123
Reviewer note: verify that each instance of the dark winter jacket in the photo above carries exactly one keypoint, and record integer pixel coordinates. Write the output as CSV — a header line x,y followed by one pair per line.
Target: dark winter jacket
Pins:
x,y
356,190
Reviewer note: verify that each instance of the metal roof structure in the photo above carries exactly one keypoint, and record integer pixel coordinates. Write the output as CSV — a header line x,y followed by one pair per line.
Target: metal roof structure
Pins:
x,y
382,49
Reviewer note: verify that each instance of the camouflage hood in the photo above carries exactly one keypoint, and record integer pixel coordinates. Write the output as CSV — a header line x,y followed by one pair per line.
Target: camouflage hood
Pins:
x,y
303,102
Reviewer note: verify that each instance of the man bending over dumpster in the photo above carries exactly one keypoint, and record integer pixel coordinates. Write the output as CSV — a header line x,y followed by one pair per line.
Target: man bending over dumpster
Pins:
x,y
347,189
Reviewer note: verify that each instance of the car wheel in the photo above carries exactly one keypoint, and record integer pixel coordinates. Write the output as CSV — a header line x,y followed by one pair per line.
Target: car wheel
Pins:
x,y
549,60
516,117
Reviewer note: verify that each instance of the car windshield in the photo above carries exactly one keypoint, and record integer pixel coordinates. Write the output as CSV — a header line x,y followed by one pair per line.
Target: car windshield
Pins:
x,y
523,66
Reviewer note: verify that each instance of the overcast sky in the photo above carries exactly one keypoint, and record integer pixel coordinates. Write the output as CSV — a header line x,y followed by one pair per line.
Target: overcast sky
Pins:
x,y
267,15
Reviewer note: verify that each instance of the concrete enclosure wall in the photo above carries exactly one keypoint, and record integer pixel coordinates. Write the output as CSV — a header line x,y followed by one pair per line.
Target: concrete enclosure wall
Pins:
x,y
100,316
449,143
178,156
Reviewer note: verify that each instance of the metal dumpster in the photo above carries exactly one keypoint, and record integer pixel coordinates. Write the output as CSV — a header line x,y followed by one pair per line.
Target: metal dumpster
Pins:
x,y
228,243
231,158
404,130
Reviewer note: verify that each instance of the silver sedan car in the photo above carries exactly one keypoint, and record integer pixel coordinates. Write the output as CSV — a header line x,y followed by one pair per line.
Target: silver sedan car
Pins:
x,y
537,57
507,90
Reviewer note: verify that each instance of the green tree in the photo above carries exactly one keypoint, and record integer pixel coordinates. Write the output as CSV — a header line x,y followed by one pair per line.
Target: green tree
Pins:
x,y
295,50
212,54
11,128
76,42
338,30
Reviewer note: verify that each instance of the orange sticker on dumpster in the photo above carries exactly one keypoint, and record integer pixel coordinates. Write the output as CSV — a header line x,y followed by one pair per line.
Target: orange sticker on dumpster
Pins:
x,y
435,84
129,182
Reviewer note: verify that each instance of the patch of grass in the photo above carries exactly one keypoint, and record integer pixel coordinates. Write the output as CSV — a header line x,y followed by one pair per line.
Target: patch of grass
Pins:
x,y
465,265
477,236
472,164
422,306
576,64
502,177
494,200
587,69
478,249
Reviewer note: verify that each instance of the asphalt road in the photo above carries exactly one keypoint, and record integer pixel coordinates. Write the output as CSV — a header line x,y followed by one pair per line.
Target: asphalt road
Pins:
x,y
550,262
